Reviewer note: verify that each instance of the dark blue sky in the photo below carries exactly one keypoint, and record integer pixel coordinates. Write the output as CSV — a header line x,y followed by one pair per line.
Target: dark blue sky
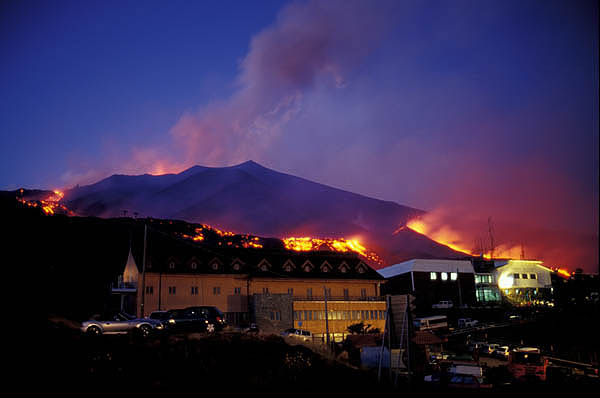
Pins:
x,y
470,109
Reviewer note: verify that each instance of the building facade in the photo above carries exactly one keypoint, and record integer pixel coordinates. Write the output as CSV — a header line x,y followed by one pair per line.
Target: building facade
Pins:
x,y
524,281
276,289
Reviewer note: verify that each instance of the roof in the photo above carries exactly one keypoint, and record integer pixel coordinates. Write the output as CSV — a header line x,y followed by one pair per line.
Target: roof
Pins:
x,y
168,255
427,265
426,338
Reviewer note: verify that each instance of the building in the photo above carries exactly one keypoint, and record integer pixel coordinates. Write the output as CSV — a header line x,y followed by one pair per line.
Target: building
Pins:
x,y
487,292
432,281
524,281
277,289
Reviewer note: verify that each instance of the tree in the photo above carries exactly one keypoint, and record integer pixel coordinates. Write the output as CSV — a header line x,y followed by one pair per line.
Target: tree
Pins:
x,y
361,328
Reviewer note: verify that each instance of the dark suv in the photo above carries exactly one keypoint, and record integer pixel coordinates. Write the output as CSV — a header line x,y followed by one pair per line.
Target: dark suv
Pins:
x,y
215,318
184,320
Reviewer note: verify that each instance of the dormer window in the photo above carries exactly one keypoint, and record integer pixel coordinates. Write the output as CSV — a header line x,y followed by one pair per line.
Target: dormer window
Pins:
x,y
361,268
288,266
172,265
307,266
215,264
237,264
344,268
193,265
326,267
264,265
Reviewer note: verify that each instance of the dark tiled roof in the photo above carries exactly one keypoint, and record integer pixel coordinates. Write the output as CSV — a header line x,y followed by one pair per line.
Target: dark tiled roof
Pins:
x,y
172,255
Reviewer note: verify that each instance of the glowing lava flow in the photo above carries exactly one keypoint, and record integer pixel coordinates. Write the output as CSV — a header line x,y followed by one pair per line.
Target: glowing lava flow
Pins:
x,y
50,205
329,244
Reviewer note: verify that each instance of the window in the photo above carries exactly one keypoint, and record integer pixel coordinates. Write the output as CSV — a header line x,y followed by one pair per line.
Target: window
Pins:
x,y
149,289
237,290
433,276
291,291
444,276
265,290
309,292
515,276
346,293
275,315
453,276
328,291
172,290
194,290
532,276
216,290
363,293
524,276
172,265
193,265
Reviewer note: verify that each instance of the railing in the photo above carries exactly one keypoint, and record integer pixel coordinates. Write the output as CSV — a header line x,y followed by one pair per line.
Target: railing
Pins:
x,y
339,298
123,286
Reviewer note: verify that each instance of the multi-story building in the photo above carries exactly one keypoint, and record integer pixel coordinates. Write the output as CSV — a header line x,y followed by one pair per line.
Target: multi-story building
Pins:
x,y
277,289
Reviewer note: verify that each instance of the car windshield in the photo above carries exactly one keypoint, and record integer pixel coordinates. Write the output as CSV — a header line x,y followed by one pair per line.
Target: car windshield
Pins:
x,y
125,316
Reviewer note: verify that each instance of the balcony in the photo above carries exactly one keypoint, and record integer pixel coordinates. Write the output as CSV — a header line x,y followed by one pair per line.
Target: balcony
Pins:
x,y
123,287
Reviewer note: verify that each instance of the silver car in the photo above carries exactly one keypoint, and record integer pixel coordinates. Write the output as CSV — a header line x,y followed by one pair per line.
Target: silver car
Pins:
x,y
121,323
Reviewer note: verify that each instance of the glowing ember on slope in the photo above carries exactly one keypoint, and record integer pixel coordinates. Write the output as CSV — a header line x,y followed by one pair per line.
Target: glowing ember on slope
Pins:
x,y
329,244
50,204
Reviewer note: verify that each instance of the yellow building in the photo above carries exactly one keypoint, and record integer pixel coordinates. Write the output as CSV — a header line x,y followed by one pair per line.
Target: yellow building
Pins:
x,y
277,289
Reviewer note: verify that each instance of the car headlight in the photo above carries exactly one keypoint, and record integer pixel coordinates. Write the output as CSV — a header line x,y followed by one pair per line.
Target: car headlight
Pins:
x,y
171,321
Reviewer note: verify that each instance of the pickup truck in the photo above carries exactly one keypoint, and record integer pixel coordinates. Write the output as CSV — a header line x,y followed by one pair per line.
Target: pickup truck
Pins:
x,y
443,304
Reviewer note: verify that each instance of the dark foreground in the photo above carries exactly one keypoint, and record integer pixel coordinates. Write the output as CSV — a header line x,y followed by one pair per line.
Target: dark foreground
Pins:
x,y
59,359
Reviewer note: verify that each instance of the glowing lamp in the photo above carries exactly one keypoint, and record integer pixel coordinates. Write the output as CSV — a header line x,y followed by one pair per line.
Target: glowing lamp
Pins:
x,y
505,281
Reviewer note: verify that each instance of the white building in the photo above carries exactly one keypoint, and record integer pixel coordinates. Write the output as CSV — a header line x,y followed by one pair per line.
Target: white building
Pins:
x,y
525,281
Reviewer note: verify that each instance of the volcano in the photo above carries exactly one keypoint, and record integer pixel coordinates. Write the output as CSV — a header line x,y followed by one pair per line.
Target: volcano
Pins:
x,y
250,198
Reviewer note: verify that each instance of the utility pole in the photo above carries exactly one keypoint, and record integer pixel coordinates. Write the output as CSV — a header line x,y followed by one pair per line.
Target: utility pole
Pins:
x,y
144,273
326,316
491,233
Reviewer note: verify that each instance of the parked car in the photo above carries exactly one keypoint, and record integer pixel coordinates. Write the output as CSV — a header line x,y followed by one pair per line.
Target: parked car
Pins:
x,y
467,381
183,320
501,352
467,323
214,316
252,328
301,334
443,304
121,323
159,315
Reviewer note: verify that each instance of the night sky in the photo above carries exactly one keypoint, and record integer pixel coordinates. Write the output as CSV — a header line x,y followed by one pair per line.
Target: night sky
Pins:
x,y
467,109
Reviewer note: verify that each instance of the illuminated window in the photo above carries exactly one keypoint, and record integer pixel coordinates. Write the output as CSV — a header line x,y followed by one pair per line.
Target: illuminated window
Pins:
x,y
444,276
432,276
453,276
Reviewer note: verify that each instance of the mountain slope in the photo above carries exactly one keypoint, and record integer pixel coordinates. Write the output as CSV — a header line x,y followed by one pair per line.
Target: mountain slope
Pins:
x,y
249,198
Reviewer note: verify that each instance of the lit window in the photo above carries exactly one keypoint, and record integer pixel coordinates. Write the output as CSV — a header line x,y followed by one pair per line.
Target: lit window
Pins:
x,y
453,276
432,276
444,276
